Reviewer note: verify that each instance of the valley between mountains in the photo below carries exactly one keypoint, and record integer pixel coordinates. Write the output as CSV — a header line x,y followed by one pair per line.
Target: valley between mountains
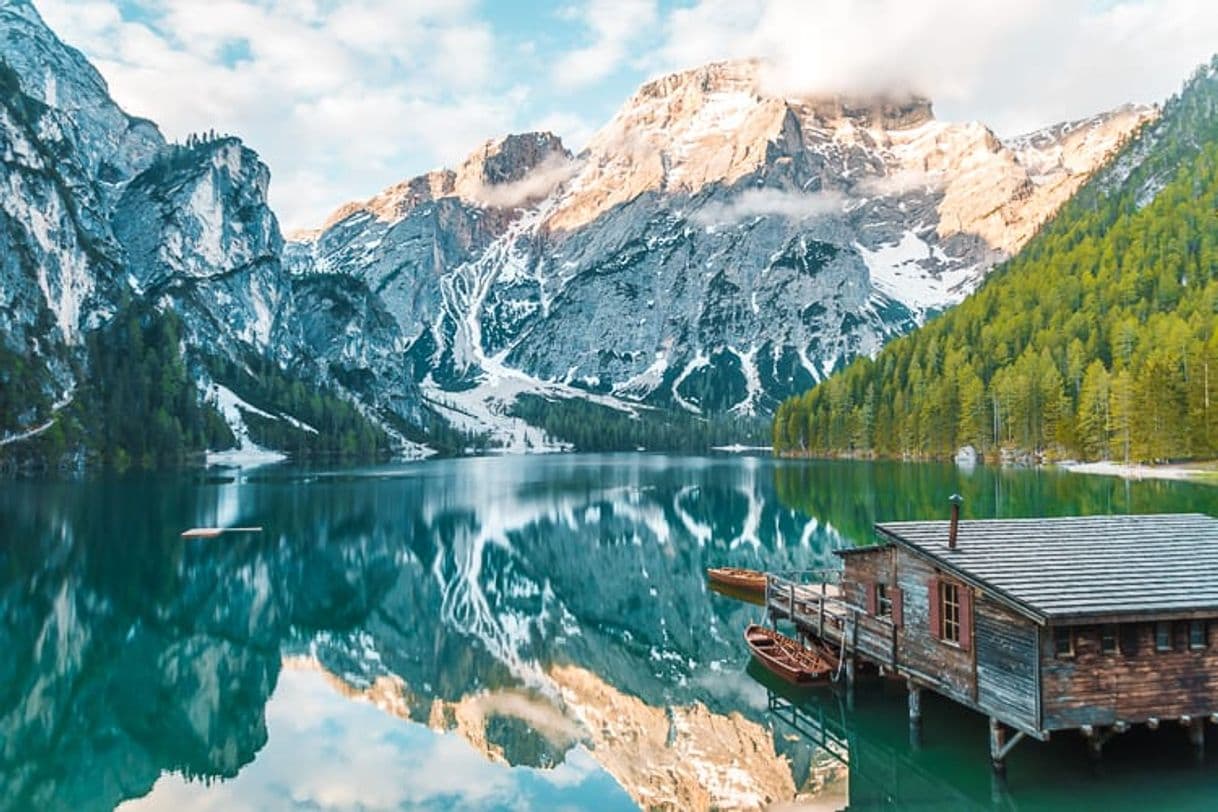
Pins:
x,y
713,250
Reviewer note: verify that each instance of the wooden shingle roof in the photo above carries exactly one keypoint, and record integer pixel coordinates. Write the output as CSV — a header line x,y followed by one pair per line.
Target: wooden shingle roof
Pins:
x,y
1078,567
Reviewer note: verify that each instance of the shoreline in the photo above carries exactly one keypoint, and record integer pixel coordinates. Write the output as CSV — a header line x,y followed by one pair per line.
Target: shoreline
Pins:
x,y
1180,472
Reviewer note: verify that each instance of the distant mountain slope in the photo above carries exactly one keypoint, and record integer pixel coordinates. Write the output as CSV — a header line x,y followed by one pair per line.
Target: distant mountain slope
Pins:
x,y
109,236
714,249
1097,340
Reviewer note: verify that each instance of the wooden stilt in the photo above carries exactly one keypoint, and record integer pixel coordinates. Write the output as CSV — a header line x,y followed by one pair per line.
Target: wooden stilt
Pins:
x,y
998,737
1095,742
915,715
1196,737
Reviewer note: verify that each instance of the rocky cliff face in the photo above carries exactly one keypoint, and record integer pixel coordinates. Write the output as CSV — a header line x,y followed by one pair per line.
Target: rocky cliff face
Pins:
x,y
714,248
99,211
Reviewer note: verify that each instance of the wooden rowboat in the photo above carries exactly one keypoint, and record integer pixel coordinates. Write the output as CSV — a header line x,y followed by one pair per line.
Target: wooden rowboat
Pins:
x,y
787,658
741,579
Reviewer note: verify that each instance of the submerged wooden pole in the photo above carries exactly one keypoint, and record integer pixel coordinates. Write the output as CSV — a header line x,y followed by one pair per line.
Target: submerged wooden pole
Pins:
x,y
915,714
998,738
1196,737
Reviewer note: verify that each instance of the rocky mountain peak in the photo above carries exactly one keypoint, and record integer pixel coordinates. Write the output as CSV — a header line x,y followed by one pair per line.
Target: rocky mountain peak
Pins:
x,y
506,172
515,170
889,112
113,146
509,159
715,123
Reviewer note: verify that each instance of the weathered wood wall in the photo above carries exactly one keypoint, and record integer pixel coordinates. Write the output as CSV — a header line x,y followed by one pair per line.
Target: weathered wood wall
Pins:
x,y
1007,650
865,567
1093,688
948,668
942,666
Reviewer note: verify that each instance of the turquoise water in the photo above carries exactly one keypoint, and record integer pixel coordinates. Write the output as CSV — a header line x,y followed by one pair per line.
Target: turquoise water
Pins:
x,y
493,633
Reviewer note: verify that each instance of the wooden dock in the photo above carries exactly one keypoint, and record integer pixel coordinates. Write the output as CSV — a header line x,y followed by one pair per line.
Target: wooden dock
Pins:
x,y
814,602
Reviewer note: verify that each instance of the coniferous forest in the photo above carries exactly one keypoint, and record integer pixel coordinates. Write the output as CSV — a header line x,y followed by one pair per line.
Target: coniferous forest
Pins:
x,y
139,404
1099,340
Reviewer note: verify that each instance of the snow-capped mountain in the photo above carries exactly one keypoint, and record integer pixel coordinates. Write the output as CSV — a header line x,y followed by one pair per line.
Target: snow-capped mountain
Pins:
x,y
715,247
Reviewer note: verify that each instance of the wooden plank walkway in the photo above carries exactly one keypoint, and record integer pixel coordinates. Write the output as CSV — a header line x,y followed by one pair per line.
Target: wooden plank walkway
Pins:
x,y
815,603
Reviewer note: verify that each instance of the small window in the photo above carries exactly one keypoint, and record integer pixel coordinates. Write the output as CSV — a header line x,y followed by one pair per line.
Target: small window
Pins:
x,y
883,602
1063,641
1196,635
949,618
1162,636
1108,639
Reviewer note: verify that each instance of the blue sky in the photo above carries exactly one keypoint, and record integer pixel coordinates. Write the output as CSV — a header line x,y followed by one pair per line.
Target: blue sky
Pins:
x,y
343,98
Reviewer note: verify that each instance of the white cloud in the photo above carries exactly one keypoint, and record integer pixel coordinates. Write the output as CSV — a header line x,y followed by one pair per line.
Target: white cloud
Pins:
x,y
543,179
898,183
1014,64
615,26
770,202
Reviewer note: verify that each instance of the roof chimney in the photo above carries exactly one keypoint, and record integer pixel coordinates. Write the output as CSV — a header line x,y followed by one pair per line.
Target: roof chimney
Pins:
x,y
954,529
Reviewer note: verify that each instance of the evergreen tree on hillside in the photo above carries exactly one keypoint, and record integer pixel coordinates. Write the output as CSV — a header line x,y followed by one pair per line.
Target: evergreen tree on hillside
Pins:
x,y
1098,340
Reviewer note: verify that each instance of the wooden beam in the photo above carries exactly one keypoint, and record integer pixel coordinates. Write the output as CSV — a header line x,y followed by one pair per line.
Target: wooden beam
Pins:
x,y
1014,740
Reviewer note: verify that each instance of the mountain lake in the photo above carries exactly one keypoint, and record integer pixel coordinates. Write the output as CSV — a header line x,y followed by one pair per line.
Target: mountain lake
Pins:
x,y
526,632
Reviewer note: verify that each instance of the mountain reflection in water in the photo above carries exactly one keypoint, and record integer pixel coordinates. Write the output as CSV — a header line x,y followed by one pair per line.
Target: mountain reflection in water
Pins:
x,y
494,633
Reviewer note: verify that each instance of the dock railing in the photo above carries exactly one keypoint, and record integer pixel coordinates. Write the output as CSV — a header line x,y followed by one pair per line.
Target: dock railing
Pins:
x,y
819,606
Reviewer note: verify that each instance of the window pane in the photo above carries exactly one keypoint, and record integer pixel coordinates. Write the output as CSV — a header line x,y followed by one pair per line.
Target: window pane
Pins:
x,y
1063,641
1196,634
1163,636
1108,639
950,616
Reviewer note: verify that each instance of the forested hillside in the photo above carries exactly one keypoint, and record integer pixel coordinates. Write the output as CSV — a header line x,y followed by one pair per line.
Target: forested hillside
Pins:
x,y
139,404
1098,340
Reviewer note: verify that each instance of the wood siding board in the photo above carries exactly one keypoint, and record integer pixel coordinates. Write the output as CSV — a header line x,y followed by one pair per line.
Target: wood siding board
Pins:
x,y
1007,660
945,668
1098,689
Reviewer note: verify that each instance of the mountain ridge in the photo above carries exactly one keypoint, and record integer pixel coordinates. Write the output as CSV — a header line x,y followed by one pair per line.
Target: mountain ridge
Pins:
x,y
702,168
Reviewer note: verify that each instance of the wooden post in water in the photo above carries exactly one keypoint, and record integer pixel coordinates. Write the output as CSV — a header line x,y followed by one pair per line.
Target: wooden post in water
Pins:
x,y
1196,737
791,598
915,715
850,634
998,738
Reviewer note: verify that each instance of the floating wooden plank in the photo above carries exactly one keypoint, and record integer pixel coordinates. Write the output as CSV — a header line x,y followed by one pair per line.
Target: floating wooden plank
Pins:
x,y
216,532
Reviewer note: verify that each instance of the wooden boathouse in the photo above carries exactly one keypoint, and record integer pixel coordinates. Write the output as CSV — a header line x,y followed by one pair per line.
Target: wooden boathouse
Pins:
x,y
1090,623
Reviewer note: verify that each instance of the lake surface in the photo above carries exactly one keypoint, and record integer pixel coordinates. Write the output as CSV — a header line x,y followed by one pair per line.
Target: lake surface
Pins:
x,y
494,633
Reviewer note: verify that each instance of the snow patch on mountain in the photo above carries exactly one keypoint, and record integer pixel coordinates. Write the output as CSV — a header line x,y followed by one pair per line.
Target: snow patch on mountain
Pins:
x,y
233,409
906,271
